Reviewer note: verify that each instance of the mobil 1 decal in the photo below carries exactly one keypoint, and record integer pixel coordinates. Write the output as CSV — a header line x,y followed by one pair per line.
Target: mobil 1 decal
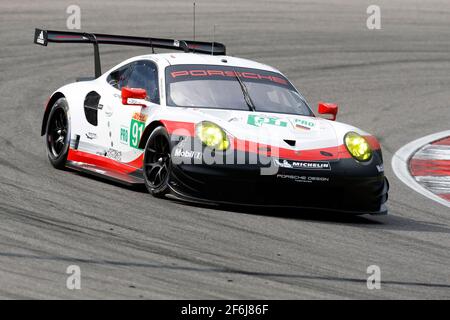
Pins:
x,y
137,126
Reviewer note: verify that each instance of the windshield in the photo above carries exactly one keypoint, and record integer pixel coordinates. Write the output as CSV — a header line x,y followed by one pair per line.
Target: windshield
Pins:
x,y
217,87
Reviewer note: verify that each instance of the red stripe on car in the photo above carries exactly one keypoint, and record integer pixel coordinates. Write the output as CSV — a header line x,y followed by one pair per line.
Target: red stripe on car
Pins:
x,y
188,129
105,163
373,142
67,37
178,127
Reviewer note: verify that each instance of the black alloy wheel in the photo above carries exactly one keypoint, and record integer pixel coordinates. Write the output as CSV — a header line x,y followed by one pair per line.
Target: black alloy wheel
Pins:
x,y
157,162
58,134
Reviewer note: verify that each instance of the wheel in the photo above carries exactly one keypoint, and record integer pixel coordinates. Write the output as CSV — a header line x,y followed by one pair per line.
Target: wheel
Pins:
x,y
157,162
57,134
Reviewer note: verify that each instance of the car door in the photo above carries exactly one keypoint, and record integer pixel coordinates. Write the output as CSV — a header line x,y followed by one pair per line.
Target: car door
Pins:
x,y
124,124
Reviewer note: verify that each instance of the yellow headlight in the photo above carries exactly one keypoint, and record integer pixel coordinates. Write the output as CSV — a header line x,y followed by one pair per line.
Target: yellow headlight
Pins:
x,y
357,146
212,135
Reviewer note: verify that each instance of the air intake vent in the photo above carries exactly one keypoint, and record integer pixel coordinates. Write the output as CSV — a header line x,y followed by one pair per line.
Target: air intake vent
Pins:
x,y
326,154
290,142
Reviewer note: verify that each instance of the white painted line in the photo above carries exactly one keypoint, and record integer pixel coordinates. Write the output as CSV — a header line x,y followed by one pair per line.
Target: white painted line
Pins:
x,y
433,152
437,184
400,164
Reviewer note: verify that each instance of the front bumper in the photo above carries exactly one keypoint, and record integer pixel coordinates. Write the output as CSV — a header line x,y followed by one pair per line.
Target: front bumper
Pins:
x,y
343,185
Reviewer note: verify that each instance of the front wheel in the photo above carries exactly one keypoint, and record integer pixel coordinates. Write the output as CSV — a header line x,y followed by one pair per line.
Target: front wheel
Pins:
x,y
157,162
57,134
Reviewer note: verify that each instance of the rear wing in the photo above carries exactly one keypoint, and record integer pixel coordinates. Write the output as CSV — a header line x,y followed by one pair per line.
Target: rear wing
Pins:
x,y
43,37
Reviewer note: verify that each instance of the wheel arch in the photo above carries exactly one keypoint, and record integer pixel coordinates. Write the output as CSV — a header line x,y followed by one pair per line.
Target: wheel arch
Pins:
x,y
48,107
148,130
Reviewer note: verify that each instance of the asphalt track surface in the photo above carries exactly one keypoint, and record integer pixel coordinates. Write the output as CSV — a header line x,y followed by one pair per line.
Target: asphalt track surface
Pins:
x,y
394,83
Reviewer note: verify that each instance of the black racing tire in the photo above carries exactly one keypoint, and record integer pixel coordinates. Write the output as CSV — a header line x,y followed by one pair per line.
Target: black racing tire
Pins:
x,y
57,134
157,164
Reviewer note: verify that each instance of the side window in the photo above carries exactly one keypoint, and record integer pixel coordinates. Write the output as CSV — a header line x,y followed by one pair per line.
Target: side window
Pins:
x,y
119,77
145,75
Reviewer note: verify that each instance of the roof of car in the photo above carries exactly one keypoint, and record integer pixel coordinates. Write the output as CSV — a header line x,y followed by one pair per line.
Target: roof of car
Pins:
x,y
175,58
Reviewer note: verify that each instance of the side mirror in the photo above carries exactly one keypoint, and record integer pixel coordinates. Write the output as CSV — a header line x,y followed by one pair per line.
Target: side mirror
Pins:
x,y
328,108
134,96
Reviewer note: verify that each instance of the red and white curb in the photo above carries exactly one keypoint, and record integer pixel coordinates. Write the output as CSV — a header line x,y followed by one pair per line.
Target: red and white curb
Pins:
x,y
424,166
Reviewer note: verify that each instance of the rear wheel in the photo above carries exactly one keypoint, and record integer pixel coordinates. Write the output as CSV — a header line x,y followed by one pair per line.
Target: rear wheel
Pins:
x,y
157,162
57,134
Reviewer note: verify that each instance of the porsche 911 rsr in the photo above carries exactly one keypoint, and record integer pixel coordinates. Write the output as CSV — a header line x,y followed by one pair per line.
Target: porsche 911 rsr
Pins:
x,y
203,126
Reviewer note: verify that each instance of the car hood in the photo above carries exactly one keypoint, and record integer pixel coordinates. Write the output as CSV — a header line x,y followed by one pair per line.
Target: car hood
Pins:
x,y
284,131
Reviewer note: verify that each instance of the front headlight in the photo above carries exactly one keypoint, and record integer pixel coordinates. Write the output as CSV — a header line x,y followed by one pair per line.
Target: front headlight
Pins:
x,y
212,135
357,146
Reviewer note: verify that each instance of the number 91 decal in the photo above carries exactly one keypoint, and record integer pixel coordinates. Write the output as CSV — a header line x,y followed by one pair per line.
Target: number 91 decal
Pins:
x,y
137,128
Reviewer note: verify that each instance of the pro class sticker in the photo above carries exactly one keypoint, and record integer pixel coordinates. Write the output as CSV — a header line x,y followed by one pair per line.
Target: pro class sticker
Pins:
x,y
303,124
124,135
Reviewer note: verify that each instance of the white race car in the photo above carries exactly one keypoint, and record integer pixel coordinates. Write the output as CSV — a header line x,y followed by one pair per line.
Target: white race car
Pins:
x,y
206,127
